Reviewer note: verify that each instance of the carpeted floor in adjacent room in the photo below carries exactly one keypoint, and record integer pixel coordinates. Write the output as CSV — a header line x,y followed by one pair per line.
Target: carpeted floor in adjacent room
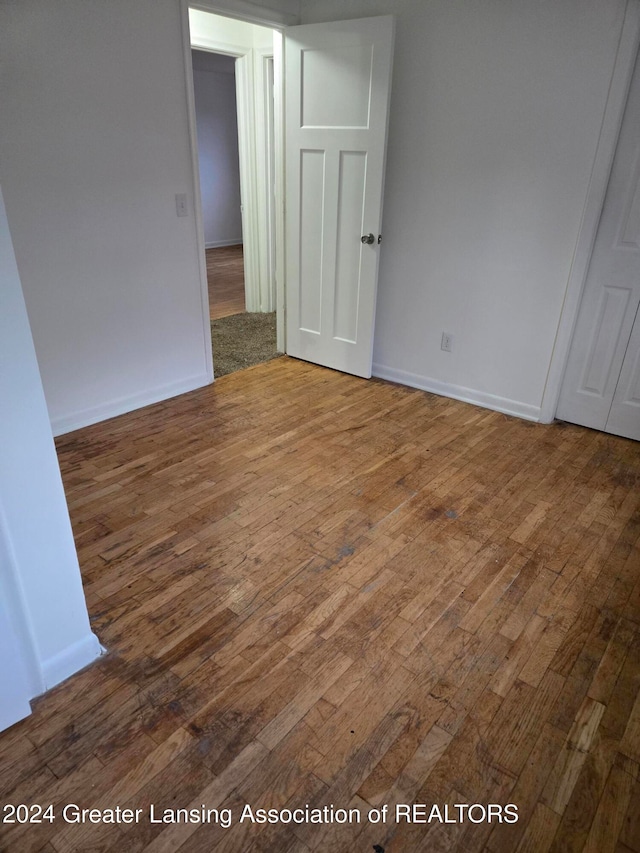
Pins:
x,y
242,340
239,339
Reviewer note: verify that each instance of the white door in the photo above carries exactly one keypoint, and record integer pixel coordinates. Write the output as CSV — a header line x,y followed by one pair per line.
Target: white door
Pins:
x,y
337,82
601,387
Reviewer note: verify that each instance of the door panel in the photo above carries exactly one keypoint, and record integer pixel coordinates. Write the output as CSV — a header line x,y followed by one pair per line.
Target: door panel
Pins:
x,y
312,181
603,341
332,103
624,417
352,183
337,80
612,291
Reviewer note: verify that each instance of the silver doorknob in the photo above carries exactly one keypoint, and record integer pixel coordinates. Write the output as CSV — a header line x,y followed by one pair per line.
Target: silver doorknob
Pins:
x,y
368,238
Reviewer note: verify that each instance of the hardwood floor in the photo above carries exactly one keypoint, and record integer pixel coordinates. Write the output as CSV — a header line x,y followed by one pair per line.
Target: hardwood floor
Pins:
x,y
325,590
225,276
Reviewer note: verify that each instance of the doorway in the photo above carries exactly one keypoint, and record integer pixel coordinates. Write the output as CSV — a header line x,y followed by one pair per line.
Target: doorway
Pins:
x,y
214,86
333,213
232,67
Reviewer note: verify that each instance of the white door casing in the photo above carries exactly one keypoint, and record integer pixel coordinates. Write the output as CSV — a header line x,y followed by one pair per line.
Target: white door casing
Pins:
x,y
337,85
254,98
594,388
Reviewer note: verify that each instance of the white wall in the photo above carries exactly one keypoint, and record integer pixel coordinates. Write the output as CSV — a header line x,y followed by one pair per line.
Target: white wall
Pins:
x,y
214,86
94,146
39,576
496,110
495,116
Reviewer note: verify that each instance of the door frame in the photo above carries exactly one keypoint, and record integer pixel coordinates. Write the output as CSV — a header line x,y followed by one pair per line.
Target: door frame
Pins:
x,y
610,131
253,172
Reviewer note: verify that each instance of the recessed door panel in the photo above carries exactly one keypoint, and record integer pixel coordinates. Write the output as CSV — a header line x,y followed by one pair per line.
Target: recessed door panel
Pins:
x,y
312,176
630,225
606,332
350,225
344,97
624,417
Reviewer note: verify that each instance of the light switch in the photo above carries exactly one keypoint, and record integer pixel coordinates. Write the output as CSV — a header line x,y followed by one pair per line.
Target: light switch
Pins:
x,y
181,204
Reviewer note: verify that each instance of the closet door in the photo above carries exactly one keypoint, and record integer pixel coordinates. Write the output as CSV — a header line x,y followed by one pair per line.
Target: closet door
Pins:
x,y
601,341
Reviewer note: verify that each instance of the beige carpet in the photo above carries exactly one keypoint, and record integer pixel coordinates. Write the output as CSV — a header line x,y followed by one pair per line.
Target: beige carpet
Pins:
x,y
242,340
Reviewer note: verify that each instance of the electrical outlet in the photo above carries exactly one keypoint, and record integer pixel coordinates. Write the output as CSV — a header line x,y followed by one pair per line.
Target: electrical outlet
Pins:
x,y
447,342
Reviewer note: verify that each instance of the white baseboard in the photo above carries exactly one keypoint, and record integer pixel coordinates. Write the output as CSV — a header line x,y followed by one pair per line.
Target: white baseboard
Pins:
x,y
71,660
458,392
86,417
217,244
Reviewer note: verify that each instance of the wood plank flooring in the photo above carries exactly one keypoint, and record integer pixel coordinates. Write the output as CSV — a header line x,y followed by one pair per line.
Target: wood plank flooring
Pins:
x,y
225,277
322,590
